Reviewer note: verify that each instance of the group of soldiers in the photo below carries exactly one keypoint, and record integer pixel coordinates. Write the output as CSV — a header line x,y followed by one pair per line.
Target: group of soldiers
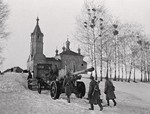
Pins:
x,y
94,91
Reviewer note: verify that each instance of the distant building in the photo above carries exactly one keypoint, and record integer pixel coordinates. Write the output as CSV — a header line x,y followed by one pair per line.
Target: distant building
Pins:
x,y
16,69
7,70
67,59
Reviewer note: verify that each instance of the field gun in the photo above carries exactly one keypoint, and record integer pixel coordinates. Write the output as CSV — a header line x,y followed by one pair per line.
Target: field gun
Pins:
x,y
83,71
77,74
43,81
79,89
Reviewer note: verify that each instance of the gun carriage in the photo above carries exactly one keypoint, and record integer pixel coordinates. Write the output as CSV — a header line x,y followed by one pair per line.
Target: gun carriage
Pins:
x,y
48,81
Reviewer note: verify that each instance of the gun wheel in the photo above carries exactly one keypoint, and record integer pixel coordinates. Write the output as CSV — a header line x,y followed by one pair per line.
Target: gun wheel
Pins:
x,y
54,90
81,89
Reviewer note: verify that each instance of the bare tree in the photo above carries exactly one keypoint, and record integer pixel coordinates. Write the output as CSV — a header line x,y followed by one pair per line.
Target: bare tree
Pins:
x,y
90,31
112,44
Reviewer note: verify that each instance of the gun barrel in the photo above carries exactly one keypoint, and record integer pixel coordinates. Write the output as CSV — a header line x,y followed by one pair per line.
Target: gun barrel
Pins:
x,y
84,71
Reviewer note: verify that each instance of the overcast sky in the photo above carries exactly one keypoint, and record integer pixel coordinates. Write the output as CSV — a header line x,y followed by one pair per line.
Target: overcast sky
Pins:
x,y
57,20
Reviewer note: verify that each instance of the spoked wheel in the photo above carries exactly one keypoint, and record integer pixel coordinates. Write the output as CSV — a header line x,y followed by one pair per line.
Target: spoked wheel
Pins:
x,y
55,90
81,89
39,88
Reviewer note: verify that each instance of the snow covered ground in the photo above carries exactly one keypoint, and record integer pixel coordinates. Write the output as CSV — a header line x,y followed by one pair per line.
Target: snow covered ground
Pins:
x,y
16,98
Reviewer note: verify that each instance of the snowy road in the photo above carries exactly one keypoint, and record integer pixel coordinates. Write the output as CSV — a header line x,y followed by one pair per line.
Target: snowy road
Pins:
x,y
15,98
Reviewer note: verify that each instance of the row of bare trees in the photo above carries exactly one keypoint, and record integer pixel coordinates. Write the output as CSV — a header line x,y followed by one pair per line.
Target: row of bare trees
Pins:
x,y
115,49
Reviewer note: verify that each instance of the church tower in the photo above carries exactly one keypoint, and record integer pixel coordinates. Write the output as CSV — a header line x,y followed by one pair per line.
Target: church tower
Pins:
x,y
36,48
36,40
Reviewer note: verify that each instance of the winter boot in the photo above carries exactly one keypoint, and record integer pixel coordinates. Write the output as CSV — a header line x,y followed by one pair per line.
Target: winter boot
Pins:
x,y
68,99
100,105
108,102
114,102
92,107
101,108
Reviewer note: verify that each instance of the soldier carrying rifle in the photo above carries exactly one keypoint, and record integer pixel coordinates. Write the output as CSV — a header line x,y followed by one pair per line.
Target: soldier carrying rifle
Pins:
x,y
94,94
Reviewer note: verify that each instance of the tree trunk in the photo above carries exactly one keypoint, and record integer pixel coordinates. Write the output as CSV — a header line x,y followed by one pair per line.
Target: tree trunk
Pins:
x,y
95,64
115,73
107,69
101,72
130,73
148,71
145,77
115,68
126,70
110,71
125,66
148,76
118,71
101,67
118,65
94,53
141,73
147,66
122,71
134,72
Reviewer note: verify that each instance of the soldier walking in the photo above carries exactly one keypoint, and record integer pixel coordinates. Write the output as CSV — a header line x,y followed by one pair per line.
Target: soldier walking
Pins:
x,y
109,91
68,86
94,94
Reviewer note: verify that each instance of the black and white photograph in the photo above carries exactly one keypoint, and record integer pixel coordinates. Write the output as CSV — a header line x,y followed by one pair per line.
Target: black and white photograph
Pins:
x,y
74,57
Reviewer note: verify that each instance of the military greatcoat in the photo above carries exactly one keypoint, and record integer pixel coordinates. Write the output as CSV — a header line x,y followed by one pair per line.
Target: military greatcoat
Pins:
x,y
109,90
93,95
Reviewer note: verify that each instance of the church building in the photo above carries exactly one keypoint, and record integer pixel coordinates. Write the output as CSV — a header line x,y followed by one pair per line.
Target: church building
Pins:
x,y
67,59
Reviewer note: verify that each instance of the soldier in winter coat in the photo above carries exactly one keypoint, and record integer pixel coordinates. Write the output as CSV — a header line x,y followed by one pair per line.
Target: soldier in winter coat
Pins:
x,y
109,91
68,86
94,94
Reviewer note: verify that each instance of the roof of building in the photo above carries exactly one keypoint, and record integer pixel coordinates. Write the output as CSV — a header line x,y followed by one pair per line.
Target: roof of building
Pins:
x,y
52,59
69,52
84,62
37,28
17,69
